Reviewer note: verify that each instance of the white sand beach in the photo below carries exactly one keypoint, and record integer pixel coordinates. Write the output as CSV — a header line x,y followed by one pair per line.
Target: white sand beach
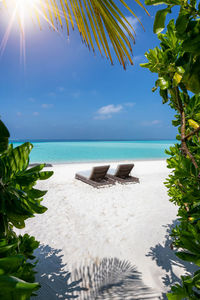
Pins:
x,y
84,225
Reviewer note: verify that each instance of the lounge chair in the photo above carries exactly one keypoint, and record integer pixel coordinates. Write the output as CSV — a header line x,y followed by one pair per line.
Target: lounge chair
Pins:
x,y
122,174
97,177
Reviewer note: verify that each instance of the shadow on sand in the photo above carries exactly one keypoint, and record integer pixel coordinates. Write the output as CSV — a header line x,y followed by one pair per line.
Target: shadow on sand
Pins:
x,y
106,279
165,258
53,275
111,278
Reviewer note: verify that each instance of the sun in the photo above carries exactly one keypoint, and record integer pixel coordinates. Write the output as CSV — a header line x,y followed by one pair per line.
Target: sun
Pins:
x,y
25,11
24,7
22,12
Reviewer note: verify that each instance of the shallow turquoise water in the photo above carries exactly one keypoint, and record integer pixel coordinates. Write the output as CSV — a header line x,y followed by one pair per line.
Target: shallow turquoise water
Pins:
x,y
81,151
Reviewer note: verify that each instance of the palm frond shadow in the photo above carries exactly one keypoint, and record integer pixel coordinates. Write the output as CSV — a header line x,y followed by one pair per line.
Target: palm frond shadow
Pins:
x,y
165,258
111,278
53,275
106,279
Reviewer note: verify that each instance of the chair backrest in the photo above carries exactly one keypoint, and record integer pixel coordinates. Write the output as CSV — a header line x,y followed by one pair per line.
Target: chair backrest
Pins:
x,y
124,170
99,173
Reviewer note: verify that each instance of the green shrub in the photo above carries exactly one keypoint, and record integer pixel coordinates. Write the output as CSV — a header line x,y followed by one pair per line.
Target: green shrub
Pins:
x,y
177,63
19,200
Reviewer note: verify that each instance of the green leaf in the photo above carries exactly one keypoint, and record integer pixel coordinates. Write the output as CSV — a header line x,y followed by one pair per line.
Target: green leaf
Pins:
x,y
159,23
164,95
15,161
162,83
191,78
189,257
176,296
158,2
45,175
177,79
4,135
35,169
34,193
12,263
182,23
4,247
12,287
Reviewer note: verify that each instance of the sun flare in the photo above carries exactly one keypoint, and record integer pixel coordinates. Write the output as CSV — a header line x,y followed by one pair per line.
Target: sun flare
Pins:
x,y
22,12
24,7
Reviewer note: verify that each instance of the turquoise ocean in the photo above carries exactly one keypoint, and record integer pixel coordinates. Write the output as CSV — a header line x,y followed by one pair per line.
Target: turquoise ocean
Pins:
x,y
87,151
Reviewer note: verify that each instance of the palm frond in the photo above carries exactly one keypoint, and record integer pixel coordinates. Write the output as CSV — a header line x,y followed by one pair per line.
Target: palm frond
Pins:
x,y
101,23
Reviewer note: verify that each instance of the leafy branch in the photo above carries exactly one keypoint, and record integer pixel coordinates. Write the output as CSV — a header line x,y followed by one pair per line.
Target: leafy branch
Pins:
x,y
177,63
183,141
19,200
192,133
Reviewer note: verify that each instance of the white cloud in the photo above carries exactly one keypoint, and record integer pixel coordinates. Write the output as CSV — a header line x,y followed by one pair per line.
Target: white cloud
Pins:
x,y
133,22
47,105
35,113
106,112
151,123
109,109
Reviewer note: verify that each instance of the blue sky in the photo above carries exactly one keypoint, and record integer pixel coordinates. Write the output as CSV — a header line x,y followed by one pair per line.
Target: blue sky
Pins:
x,y
64,91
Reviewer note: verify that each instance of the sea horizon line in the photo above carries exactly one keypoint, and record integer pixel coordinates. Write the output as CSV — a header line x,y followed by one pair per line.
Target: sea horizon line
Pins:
x,y
89,140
